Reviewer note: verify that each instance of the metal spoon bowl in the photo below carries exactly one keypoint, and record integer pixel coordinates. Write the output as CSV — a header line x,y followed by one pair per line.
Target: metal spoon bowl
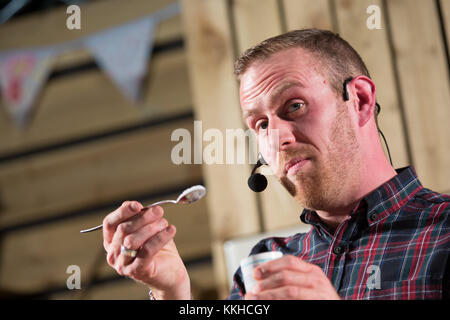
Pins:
x,y
189,195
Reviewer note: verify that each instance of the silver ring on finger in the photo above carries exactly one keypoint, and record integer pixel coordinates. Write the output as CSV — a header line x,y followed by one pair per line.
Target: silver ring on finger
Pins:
x,y
128,252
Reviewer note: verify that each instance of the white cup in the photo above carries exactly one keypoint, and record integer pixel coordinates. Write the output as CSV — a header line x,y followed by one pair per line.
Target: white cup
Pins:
x,y
250,263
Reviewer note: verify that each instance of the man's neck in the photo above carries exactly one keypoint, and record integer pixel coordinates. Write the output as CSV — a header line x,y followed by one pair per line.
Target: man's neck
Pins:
x,y
372,180
332,219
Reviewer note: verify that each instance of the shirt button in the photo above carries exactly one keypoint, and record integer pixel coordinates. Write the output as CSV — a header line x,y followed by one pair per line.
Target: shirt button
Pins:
x,y
373,217
338,250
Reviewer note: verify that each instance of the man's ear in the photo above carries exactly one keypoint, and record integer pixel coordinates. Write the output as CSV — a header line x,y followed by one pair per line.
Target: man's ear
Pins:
x,y
362,91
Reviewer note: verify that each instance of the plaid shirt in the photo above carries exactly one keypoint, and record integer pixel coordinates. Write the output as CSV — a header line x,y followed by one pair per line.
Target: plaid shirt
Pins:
x,y
394,245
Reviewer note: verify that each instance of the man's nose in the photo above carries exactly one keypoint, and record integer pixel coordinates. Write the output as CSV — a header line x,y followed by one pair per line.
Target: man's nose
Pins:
x,y
281,134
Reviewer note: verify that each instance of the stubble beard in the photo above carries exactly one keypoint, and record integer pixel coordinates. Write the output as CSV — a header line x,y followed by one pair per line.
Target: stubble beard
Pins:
x,y
322,187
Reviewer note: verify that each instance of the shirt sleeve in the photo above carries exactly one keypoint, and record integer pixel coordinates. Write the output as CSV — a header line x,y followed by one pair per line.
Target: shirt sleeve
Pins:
x,y
238,288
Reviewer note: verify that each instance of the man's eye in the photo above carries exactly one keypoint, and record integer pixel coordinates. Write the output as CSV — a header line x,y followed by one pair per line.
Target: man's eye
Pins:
x,y
295,106
262,125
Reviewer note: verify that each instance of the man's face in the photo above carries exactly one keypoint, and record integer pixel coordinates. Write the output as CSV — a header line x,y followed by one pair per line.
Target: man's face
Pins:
x,y
304,129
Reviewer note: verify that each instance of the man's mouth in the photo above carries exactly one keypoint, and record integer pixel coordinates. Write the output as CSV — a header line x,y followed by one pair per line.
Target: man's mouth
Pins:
x,y
293,165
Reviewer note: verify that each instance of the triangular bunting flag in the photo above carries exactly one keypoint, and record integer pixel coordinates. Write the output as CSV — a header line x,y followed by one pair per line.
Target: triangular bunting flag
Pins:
x,y
22,75
123,53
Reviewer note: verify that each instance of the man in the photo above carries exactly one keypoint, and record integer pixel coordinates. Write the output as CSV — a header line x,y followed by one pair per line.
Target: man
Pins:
x,y
376,233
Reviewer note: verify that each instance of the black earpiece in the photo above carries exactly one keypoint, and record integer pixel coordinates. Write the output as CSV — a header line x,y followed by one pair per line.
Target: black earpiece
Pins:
x,y
257,182
346,81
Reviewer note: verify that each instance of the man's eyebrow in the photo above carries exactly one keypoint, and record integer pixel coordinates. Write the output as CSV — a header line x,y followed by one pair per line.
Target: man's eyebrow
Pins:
x,y
276,93
285,86
249,113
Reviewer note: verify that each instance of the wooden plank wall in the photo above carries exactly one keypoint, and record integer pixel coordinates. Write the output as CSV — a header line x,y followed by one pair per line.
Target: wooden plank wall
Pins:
x,y
86,150
407,58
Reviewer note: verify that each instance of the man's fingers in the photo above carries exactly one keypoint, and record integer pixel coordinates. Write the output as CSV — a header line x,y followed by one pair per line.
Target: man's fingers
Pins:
x,y
136,239
147,252
283,293
121,262
114,254
291,293
124,212
145,217
283,278
155,244
289,262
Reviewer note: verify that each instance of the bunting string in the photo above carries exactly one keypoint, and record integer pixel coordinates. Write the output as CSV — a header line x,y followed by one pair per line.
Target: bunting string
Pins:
x,y
122,52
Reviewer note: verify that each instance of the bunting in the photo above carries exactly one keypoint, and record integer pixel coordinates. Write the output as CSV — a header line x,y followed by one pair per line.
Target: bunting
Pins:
x,y
122,52
22,76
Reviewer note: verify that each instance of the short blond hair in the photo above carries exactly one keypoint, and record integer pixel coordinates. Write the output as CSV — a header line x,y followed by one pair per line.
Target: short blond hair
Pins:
x,y
337,58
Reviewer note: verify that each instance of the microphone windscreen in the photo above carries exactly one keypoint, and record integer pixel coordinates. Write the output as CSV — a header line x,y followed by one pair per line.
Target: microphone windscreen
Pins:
x,y
257,182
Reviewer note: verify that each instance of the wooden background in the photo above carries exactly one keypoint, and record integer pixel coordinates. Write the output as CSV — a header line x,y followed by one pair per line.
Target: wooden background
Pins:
x,y
87,149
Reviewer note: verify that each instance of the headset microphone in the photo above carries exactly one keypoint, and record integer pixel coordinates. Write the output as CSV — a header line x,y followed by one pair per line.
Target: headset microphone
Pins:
x,y
258,182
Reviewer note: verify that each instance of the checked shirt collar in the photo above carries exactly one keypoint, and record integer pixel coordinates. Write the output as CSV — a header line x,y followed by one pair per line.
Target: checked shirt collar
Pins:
x,y
377,205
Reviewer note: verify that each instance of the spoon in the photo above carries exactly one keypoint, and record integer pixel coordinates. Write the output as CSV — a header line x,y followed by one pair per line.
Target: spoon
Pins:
x,y
189,195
